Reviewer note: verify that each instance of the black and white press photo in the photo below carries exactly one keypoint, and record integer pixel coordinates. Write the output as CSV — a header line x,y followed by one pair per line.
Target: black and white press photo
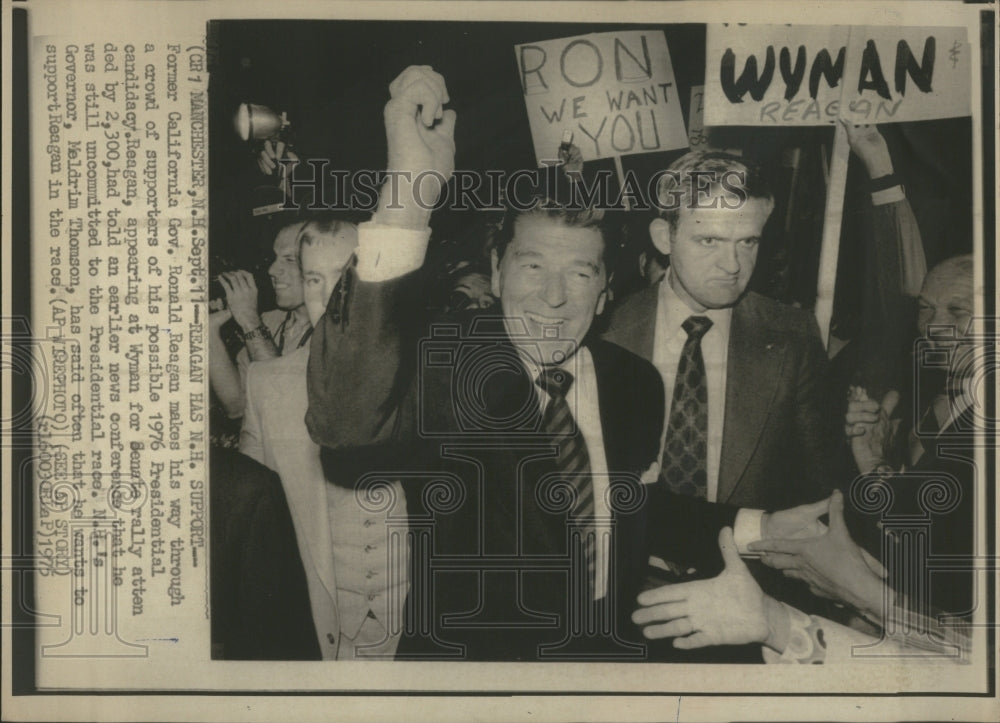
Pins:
x,y
499,360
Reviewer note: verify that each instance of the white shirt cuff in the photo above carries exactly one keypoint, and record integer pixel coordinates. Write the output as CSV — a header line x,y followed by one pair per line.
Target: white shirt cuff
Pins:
x,y
746,529
888,195
806,640
388,252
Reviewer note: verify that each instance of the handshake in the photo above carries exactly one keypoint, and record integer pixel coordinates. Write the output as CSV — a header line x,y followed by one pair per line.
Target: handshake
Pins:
x,y
731,609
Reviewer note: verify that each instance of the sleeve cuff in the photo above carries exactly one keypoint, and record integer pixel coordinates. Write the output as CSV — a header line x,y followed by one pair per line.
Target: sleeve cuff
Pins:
x,y
388,252
888,195
747,529
806,642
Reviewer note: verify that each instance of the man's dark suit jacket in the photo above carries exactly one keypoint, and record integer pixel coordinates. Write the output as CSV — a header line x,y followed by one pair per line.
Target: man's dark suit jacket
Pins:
x,y
939,491
779,441
779,438
383,403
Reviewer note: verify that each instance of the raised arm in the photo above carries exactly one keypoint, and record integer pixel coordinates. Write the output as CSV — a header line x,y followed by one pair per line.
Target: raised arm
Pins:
x,y
361,362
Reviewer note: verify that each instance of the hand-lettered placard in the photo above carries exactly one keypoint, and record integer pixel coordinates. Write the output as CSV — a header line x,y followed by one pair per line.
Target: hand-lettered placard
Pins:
x,y
762,75
774,74
906,74
614,91
697,133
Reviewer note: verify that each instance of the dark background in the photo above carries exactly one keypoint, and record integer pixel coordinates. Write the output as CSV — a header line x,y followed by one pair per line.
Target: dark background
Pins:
x,y
332,77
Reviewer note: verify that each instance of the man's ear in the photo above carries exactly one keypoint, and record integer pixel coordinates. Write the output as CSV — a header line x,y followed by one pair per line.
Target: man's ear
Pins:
x,y
495,277
606,295
659,232
600,302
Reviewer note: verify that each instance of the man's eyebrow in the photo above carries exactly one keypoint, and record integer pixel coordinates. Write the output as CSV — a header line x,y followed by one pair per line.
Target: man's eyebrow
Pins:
x,y
589,264
527,252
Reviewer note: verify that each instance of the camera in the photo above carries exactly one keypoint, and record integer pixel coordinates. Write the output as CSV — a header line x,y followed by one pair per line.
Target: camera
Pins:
x,y
963,365
220,265
474,365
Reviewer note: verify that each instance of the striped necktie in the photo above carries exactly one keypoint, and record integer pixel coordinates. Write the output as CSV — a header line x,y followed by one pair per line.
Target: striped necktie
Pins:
x,y
573,461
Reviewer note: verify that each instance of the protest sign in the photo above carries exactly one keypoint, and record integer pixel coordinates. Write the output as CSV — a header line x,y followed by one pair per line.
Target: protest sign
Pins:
x,y
774,74
615,91
906,74
697,133
808,75
761,75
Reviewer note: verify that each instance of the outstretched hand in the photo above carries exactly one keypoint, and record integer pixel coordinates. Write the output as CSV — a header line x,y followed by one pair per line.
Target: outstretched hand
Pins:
x,y
796,522
833,565
729,609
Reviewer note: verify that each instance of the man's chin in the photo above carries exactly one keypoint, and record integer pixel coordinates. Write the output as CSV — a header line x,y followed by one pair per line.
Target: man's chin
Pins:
x,y
556,352
721,301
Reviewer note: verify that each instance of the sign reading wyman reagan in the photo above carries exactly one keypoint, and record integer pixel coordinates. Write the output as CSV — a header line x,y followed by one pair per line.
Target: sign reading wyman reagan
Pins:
x,y
812,75
614,91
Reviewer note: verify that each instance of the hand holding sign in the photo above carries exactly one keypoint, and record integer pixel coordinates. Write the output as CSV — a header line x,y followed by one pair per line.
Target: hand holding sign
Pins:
x,y
869,145
761,75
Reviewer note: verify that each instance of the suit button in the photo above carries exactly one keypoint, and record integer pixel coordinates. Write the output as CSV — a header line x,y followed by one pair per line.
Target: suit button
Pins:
x,y
369,548
371,574
369,523
371,598
331,638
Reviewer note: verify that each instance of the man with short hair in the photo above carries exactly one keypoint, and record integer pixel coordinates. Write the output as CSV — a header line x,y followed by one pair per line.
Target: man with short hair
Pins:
x,y
342,536
525,445
747,421
918,450
265,335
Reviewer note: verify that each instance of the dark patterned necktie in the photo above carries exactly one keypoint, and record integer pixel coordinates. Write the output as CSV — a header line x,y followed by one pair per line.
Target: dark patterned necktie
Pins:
x,y
573,461
685,453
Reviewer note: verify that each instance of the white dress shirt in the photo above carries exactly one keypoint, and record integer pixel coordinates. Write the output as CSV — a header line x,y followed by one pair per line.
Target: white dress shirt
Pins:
x,y
668,341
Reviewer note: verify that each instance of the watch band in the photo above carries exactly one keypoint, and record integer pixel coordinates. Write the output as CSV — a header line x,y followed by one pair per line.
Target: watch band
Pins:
x,y
261,332
883,182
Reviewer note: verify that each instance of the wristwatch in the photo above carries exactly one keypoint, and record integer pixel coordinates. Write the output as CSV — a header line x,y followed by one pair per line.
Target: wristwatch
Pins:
x,y
261,332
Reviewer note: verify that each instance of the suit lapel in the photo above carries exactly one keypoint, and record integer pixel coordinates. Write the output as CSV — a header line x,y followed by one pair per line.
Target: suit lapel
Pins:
x,y
634,324
618,424
511,395
753,369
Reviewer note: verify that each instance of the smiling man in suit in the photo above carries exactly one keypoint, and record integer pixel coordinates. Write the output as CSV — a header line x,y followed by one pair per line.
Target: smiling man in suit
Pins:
x,y
524,445
744,375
